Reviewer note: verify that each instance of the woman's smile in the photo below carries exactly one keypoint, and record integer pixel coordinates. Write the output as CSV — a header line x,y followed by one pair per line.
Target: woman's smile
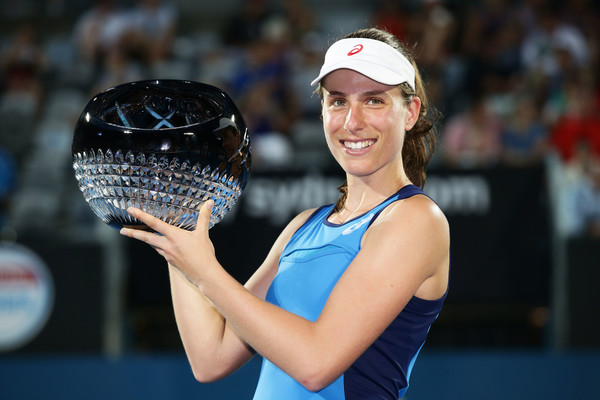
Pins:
x,y
357,146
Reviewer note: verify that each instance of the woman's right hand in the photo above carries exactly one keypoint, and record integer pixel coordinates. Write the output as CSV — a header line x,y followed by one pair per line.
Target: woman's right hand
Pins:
x,y
191,252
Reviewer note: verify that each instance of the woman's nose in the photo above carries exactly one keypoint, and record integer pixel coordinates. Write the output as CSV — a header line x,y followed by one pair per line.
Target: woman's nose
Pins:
x,y
354,120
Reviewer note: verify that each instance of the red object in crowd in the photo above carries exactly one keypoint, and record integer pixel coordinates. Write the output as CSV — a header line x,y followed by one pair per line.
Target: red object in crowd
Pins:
x,y
570,132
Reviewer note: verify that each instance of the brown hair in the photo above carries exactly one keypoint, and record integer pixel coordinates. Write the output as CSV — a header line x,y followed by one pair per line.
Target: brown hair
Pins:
x,y
420,141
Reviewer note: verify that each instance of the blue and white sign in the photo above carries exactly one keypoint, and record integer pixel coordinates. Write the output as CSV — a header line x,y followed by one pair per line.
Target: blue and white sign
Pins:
x,y
26,296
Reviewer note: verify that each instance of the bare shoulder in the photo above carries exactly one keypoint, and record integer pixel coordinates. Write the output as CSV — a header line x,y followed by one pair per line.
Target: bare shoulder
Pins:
x,y
416,214
416,231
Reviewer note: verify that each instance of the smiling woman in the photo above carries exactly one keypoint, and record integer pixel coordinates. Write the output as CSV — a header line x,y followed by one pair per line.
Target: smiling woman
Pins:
x,y
365,126
419,145
343,302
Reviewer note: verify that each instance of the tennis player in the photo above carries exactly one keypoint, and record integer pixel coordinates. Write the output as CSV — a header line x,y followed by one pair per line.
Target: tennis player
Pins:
x,y
343,302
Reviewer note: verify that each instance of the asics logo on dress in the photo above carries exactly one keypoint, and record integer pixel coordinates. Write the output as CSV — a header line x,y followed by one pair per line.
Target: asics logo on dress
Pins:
x,y
358,224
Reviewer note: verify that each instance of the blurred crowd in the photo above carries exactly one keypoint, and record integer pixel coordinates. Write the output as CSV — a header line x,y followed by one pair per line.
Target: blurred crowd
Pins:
x,y
516,83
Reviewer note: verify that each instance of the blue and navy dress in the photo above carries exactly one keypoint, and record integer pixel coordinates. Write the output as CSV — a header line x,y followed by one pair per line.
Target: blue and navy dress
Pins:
x,y
310,266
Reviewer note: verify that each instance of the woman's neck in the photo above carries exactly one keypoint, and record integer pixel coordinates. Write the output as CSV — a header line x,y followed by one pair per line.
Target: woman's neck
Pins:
x,y
363,194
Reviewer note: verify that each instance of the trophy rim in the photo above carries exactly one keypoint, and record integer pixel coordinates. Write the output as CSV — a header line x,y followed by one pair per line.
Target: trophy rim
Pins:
x,y
93,132
168,86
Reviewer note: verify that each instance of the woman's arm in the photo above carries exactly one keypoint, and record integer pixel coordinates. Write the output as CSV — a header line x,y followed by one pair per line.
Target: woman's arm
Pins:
x,y
405,252
213,349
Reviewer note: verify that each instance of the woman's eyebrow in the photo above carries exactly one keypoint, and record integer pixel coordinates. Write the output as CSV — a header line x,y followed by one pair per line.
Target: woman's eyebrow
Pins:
x,y
374,92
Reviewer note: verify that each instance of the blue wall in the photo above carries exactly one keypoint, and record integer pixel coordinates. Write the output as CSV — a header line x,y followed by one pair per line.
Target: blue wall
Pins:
x,y
437,375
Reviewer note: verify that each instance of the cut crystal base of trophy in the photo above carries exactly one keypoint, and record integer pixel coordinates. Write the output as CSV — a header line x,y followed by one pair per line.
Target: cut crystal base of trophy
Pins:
x,y
167,188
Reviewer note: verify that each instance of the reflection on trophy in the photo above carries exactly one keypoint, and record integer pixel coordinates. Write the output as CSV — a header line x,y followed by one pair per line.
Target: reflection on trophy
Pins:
x,y
164,146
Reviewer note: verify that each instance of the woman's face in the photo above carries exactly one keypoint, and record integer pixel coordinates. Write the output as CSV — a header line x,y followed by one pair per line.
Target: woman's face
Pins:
x,y
365,122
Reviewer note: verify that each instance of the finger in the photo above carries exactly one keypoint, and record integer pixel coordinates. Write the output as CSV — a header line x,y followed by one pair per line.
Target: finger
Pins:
x,y
152,239
204,215
152,222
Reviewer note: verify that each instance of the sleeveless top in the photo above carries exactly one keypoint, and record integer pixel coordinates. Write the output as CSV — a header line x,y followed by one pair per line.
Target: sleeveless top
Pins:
x,y
309,267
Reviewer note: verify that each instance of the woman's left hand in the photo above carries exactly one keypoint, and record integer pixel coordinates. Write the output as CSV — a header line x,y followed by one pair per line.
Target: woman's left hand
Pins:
x,y
185,250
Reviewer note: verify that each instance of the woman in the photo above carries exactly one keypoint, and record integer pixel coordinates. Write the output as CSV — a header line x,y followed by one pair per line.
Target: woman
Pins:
x,y
344,300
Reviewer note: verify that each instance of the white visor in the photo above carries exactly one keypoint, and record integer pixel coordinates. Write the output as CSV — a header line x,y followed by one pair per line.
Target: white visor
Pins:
x,y
372,58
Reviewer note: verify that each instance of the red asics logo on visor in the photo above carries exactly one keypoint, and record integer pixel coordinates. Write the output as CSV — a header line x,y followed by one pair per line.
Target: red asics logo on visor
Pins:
x,y
356,49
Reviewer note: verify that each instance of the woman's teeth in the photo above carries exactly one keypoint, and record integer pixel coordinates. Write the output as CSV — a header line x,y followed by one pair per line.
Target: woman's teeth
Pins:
x,y
358,145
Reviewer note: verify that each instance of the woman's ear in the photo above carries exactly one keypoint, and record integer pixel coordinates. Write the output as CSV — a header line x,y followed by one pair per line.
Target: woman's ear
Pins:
x,y
412,112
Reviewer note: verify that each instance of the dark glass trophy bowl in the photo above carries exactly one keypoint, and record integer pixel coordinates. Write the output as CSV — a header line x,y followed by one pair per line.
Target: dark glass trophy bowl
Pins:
x,y
163,146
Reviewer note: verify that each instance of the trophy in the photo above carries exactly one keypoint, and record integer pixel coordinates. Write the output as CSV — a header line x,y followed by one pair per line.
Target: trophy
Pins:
x,y
163,146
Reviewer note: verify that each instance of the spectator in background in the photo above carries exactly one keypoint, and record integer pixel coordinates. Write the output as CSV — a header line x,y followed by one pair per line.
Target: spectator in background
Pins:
x,y
524,137
586,201
22,67
262,87
300,18
561,92
436,29
393,16
575,141
472,138
99,36
246,24
122,43
117,67
98,30
151,31
23,64
432,27
306,59
544,48
578,125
